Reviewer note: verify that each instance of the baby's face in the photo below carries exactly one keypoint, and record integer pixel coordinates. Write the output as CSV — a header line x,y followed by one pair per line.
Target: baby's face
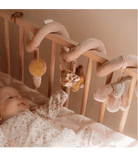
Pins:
x,y
11,103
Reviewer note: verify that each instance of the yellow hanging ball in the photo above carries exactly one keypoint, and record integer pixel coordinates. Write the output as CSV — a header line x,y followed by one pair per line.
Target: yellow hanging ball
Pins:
x,y
37,67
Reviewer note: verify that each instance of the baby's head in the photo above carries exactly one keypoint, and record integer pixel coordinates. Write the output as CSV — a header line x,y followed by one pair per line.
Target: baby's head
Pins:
x,y
11,102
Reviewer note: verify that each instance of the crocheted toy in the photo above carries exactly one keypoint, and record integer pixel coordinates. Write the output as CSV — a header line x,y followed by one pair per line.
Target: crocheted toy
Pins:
x,y
80,84
37,68
114,92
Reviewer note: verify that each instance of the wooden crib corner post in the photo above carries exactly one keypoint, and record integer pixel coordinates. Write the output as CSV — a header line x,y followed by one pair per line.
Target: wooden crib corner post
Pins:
x,y
86,86
51,68
103,104
125,113
7,45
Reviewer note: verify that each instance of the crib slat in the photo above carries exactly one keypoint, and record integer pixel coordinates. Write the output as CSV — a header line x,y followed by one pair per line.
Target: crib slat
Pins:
x,y
36,55
103,104
86,86
7,45
21,55
51,68
67,90
72,67
125,113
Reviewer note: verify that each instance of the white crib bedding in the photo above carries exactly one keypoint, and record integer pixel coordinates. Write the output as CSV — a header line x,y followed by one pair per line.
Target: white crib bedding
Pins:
x,y
110,138
68,119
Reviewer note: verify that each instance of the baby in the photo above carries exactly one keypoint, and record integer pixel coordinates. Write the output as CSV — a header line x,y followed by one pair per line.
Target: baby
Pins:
x,y
11,103
21,127
15,118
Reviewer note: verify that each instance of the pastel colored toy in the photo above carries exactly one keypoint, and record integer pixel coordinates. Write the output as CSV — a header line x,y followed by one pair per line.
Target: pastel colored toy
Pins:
x,y
118,63
88,44
38,67
49,27
68,78
70,56
114,92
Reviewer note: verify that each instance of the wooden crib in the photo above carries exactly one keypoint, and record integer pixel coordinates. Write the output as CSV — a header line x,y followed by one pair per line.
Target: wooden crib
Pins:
x,y
58,39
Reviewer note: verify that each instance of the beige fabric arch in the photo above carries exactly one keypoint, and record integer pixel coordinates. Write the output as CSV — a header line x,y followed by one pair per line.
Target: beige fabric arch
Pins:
x,y
88,44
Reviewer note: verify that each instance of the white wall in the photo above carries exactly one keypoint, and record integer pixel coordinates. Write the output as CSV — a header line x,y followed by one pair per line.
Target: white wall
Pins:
x,y
117,29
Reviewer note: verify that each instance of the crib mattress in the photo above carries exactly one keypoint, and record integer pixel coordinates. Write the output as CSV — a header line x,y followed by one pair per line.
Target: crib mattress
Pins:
x,y
67,118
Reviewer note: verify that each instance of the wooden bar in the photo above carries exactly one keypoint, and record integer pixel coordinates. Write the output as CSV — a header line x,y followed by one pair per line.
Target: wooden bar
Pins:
x,y
7,44
125,113
86,86
103,104
21,55
51,68
36,55
67,90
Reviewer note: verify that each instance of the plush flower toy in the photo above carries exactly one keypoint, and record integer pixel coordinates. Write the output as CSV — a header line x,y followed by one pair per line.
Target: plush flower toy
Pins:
x,y
38,67
114,92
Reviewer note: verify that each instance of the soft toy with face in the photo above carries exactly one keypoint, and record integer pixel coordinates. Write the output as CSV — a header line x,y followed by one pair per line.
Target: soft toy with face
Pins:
x,y
68,78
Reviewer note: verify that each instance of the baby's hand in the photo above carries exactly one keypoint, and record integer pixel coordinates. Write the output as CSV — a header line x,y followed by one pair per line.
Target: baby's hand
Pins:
x,y
33,109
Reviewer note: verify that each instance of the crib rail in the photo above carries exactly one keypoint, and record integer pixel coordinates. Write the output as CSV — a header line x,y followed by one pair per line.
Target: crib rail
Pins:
x,y
58,39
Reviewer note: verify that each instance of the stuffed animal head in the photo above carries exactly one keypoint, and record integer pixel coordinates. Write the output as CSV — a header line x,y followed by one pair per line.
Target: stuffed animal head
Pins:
x,y
68,78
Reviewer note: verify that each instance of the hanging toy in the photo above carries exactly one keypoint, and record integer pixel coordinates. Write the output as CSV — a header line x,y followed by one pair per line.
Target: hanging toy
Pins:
x,y
37,69
115,94
80,84
38,66
72,55
68,78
